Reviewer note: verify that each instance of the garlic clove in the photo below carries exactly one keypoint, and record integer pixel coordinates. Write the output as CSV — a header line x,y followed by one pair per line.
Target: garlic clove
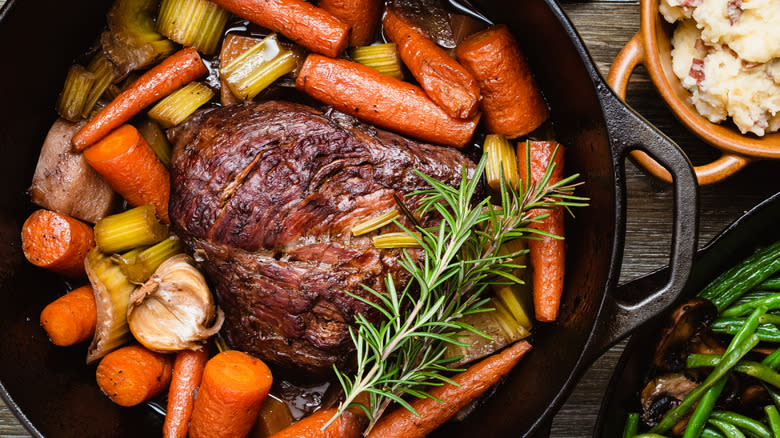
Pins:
x,y
174,310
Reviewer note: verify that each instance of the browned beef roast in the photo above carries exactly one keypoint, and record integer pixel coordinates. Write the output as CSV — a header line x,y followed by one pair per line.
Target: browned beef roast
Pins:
x,y
265,195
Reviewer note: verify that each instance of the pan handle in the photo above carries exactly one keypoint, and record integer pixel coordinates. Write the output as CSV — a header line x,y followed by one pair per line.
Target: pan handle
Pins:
x,y
630,305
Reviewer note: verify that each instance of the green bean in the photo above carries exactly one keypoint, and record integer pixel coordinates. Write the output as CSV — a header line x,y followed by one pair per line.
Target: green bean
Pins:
x,y
709,432
649,435
772,302
632,425
755,369
747,274
773,359
729,360
730,326
747,424
703,410
772,284
753,295
728,429
774,419
773,395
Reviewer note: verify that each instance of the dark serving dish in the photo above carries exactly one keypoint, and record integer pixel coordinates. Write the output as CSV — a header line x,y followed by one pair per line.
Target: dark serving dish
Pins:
x,y
54,394
756,228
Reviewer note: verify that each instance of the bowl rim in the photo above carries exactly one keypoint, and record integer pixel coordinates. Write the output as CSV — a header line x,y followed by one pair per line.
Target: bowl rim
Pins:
x,y
720,136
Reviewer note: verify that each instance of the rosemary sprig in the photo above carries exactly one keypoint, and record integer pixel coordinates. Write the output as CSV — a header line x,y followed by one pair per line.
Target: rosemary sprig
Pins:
x,y
405,352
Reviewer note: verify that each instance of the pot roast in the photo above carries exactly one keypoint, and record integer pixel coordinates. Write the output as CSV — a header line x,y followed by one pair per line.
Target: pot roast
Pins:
x,y
265,195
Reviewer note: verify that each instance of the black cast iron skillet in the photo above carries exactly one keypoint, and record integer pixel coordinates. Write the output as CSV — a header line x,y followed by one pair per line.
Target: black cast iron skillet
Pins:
x,y
54,393
756,228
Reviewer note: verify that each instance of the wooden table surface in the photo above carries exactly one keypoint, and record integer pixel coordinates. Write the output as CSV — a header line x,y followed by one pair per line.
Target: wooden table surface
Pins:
x,y
606,25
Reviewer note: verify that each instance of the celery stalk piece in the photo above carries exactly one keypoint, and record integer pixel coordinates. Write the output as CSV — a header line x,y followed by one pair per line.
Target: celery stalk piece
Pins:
x,y
501,157
180,104
396,240
517,298
130,229
258,67
381,57
375,223
193,23
75,93
151,258
156,140
103,69
112,294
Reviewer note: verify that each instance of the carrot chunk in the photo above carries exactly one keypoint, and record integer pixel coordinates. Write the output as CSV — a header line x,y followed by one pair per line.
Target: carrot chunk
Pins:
x,y
512,104
187,375
132,169
306,24
445,81
348,425
71,318
132,375
175,71
548,256
387,102
401,423
362,16
232,391
57,242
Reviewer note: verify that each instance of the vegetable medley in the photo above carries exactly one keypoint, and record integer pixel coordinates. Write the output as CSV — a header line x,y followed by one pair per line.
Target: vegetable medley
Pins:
x,y
149,313
715,363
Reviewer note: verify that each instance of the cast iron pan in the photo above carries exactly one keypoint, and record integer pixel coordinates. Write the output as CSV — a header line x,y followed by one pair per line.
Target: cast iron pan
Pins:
x,y
754,229
54,393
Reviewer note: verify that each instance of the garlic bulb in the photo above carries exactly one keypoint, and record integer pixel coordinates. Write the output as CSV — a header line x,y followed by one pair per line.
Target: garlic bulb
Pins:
x,y
174,310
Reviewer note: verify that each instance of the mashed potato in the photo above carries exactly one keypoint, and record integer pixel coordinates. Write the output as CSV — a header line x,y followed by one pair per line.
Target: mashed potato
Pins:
x,y
727,54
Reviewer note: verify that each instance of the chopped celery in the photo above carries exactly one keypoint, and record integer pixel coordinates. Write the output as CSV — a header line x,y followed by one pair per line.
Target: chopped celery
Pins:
x,y
375,223
139,264
381,57
156,140
193,23
220,343
258,67
130,229
104,73
396,240
500,157
132,42
516,297
499,327
112,294
180,104
75,93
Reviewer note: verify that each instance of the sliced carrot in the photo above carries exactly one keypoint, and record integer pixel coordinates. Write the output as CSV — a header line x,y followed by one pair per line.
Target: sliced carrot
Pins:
x,y
57,242
175,71
232,391
71,318
512,104
132,375
362,16
445,81
547,256
187,375
401,423
347,425
306,24
387,102
132,169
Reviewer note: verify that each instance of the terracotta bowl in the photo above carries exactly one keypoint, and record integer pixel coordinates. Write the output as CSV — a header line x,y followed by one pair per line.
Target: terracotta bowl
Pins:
x,y
651,47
